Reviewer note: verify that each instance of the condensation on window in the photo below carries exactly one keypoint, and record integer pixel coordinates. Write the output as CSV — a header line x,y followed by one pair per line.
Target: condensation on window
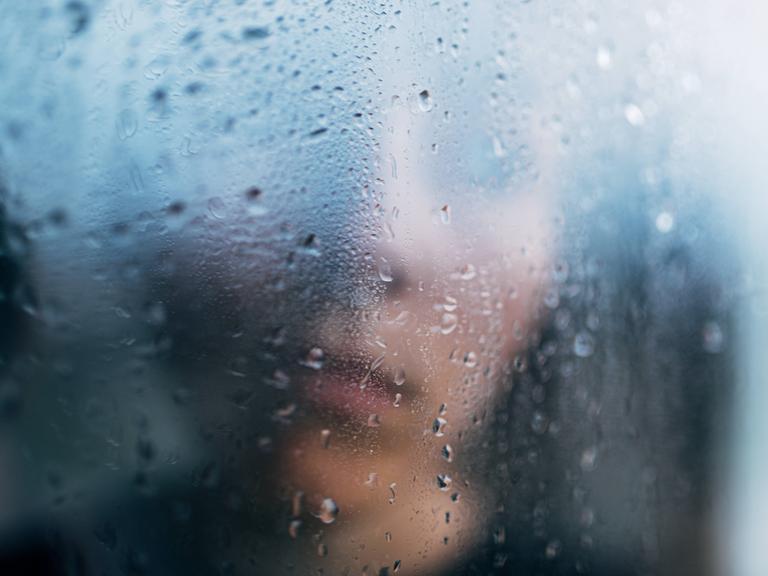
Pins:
x,y
450,287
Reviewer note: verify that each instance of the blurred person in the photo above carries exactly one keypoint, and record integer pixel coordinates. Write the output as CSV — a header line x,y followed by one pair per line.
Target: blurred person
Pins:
x,y
470,381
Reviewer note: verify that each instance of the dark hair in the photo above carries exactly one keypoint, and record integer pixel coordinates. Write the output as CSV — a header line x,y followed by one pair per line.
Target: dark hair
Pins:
x,y
624,483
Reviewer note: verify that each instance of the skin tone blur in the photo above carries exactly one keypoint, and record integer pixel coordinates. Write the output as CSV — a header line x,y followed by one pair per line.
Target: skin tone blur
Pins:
x,y
395,400
378,471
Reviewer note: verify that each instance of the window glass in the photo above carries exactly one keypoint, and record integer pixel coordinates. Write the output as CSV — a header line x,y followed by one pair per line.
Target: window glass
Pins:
x,y
450,287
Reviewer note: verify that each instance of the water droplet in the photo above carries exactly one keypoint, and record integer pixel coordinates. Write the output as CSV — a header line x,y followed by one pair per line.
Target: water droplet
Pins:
x,y
216,207
255,32
467,272
425,101
79,16
444,482
156,68
374,421
517,330
445,214
470,359
450,304
279,380
293,528
253,193
449,323
325,438
373,480
256,208
498,148
328,511
385,270
447,453
560,271
604,57
389,231
127,124
392,492
121,312
539,423
553,550
399,376
714,339
297,503
552,298
665,222
438,426
634,115
393,163
388,536
398,399
583,345
284,414
443,409
404,318
315,359
396,566
377,362
588,460
322,550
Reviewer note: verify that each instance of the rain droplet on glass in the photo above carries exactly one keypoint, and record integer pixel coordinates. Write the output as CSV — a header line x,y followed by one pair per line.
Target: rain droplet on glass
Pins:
x,y
665,222
385,270
445,214
438,426
634,115
604,57
444,482
425,101
374,421
328,511
583,344
588,460
315,359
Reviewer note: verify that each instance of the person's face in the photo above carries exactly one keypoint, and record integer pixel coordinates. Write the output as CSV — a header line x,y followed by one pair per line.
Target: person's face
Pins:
x,y
396,401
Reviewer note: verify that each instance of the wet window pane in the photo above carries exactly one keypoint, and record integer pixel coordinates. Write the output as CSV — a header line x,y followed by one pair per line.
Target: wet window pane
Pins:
x,y
450,287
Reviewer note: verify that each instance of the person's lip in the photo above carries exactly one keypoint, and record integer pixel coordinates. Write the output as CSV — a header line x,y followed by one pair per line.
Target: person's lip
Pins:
x,y
338,391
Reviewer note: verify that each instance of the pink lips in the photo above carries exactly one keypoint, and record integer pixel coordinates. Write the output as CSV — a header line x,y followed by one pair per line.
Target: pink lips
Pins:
x,y
340,393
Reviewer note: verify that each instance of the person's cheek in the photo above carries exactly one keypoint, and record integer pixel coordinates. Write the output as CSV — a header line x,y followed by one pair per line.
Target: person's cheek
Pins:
x,y
526,242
